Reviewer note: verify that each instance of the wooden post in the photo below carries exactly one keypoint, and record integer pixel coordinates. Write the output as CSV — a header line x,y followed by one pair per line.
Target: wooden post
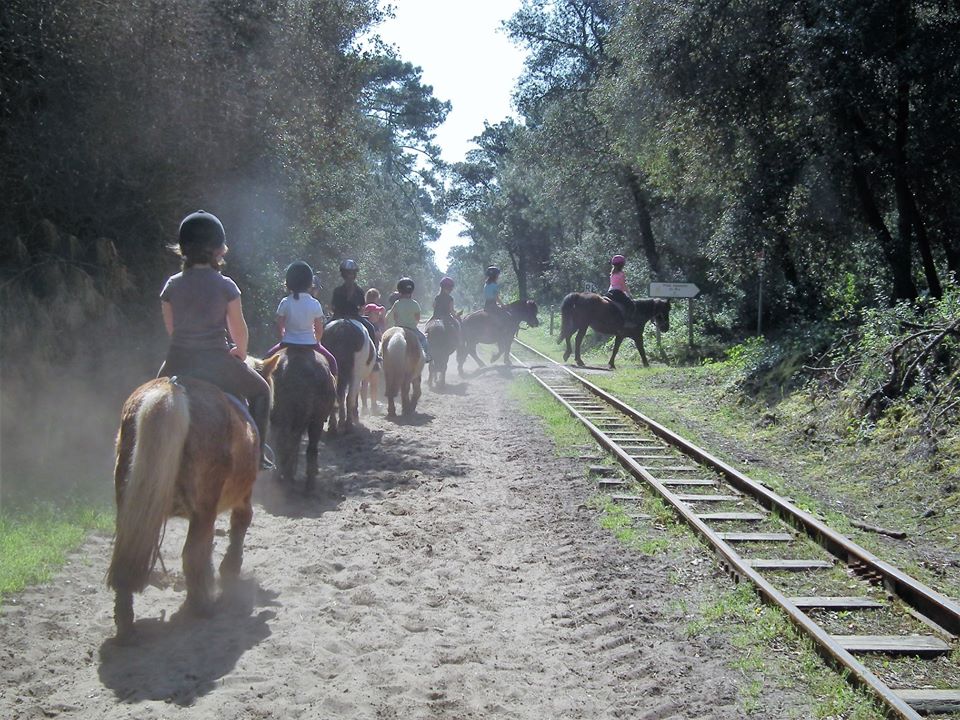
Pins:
x,y
760,297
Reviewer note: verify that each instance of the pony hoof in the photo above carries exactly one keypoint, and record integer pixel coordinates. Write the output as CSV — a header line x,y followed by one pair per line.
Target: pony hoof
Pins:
x,y
200,608
230,567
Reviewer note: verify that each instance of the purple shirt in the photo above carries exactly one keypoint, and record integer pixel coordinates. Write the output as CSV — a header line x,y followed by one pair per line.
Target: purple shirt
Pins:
x,y
199,299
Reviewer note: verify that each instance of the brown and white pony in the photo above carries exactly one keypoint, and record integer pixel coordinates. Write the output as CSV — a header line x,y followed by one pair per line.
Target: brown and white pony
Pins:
x,y
185,449
403,362
580,311
356,356
497,328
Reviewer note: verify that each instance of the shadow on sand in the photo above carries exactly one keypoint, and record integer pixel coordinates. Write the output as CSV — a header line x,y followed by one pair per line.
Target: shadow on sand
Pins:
x,y
183,658
459,388
504,370
415,419
361,462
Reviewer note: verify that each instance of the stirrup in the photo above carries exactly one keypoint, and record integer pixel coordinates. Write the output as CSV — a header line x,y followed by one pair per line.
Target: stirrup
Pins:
x,y
267,458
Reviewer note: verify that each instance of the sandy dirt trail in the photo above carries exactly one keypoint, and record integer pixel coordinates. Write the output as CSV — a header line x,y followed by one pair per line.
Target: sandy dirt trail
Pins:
x,y
444,568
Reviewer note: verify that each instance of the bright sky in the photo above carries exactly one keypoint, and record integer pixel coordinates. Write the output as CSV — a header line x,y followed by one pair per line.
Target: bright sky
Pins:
x,y
468,60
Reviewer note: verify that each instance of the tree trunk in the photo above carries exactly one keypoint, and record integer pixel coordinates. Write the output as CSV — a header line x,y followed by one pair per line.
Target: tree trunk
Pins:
x,y
896,254
519,263
909,222
641,203
952,253
926,253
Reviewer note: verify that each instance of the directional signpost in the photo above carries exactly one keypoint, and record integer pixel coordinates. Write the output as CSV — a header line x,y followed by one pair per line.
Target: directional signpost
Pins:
x,y
677,290
674,290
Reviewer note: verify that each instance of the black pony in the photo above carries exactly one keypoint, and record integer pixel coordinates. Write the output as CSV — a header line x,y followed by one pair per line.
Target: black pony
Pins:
x,y
304,395
498,328
580,311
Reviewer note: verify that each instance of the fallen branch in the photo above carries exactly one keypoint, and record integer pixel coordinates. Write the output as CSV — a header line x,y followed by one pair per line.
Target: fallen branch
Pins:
x,y
897,534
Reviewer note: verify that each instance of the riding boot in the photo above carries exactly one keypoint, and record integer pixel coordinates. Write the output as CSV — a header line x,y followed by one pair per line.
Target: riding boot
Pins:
x,y
260,411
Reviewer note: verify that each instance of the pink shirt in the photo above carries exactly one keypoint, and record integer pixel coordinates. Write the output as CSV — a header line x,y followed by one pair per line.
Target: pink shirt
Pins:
x,y
618,281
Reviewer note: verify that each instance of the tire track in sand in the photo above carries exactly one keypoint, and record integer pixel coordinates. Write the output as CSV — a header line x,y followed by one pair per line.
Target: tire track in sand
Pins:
x,y
444,568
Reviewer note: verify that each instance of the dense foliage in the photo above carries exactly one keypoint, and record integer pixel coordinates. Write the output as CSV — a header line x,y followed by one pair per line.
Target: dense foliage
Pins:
x,y
307,137
816,142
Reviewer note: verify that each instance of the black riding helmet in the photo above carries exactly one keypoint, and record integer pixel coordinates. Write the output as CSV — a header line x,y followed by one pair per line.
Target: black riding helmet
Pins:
x,y
200,235
201,230
299,277
348,266
405,285
493,271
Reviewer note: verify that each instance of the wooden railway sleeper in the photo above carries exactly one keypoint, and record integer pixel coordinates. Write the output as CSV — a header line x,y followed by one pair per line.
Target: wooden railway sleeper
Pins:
x,y
839,547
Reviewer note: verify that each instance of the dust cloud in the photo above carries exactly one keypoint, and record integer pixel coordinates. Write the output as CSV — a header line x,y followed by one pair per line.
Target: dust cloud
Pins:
x,y
58,422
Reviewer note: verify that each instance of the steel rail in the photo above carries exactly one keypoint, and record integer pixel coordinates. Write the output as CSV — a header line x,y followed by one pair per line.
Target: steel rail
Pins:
x,y
914,593
925,600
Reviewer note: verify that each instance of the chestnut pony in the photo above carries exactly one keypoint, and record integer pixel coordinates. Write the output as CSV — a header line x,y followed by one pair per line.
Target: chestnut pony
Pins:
x,y
185,449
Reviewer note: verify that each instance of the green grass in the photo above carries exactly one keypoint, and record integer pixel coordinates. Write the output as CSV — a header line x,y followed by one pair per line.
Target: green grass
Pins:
x,y
614,517
570,437
35,543
770,649
799,450
770,646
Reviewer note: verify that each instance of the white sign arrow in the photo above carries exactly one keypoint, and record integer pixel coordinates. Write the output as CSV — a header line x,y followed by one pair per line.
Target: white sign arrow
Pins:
x,y
673,290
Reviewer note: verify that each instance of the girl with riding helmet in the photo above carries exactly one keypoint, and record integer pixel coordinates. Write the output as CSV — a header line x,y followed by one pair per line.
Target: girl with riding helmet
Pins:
x,y
347,300
405,313
491,289
200,305
300,316
618,291
618,278
443,303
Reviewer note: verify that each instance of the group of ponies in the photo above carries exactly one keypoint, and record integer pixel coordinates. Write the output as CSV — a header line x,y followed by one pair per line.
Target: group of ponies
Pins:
x,y
187,449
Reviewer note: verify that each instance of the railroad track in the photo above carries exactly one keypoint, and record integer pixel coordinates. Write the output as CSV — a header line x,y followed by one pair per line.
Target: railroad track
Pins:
x,y
790,556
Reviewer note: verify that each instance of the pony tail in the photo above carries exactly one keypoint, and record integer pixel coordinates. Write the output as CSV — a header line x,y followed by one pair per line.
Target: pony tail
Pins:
x,y
566,317
162,423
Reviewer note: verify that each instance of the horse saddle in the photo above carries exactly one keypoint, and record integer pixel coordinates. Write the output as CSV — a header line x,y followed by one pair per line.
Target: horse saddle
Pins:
x,y
626,313
356,323
237,402
244,409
